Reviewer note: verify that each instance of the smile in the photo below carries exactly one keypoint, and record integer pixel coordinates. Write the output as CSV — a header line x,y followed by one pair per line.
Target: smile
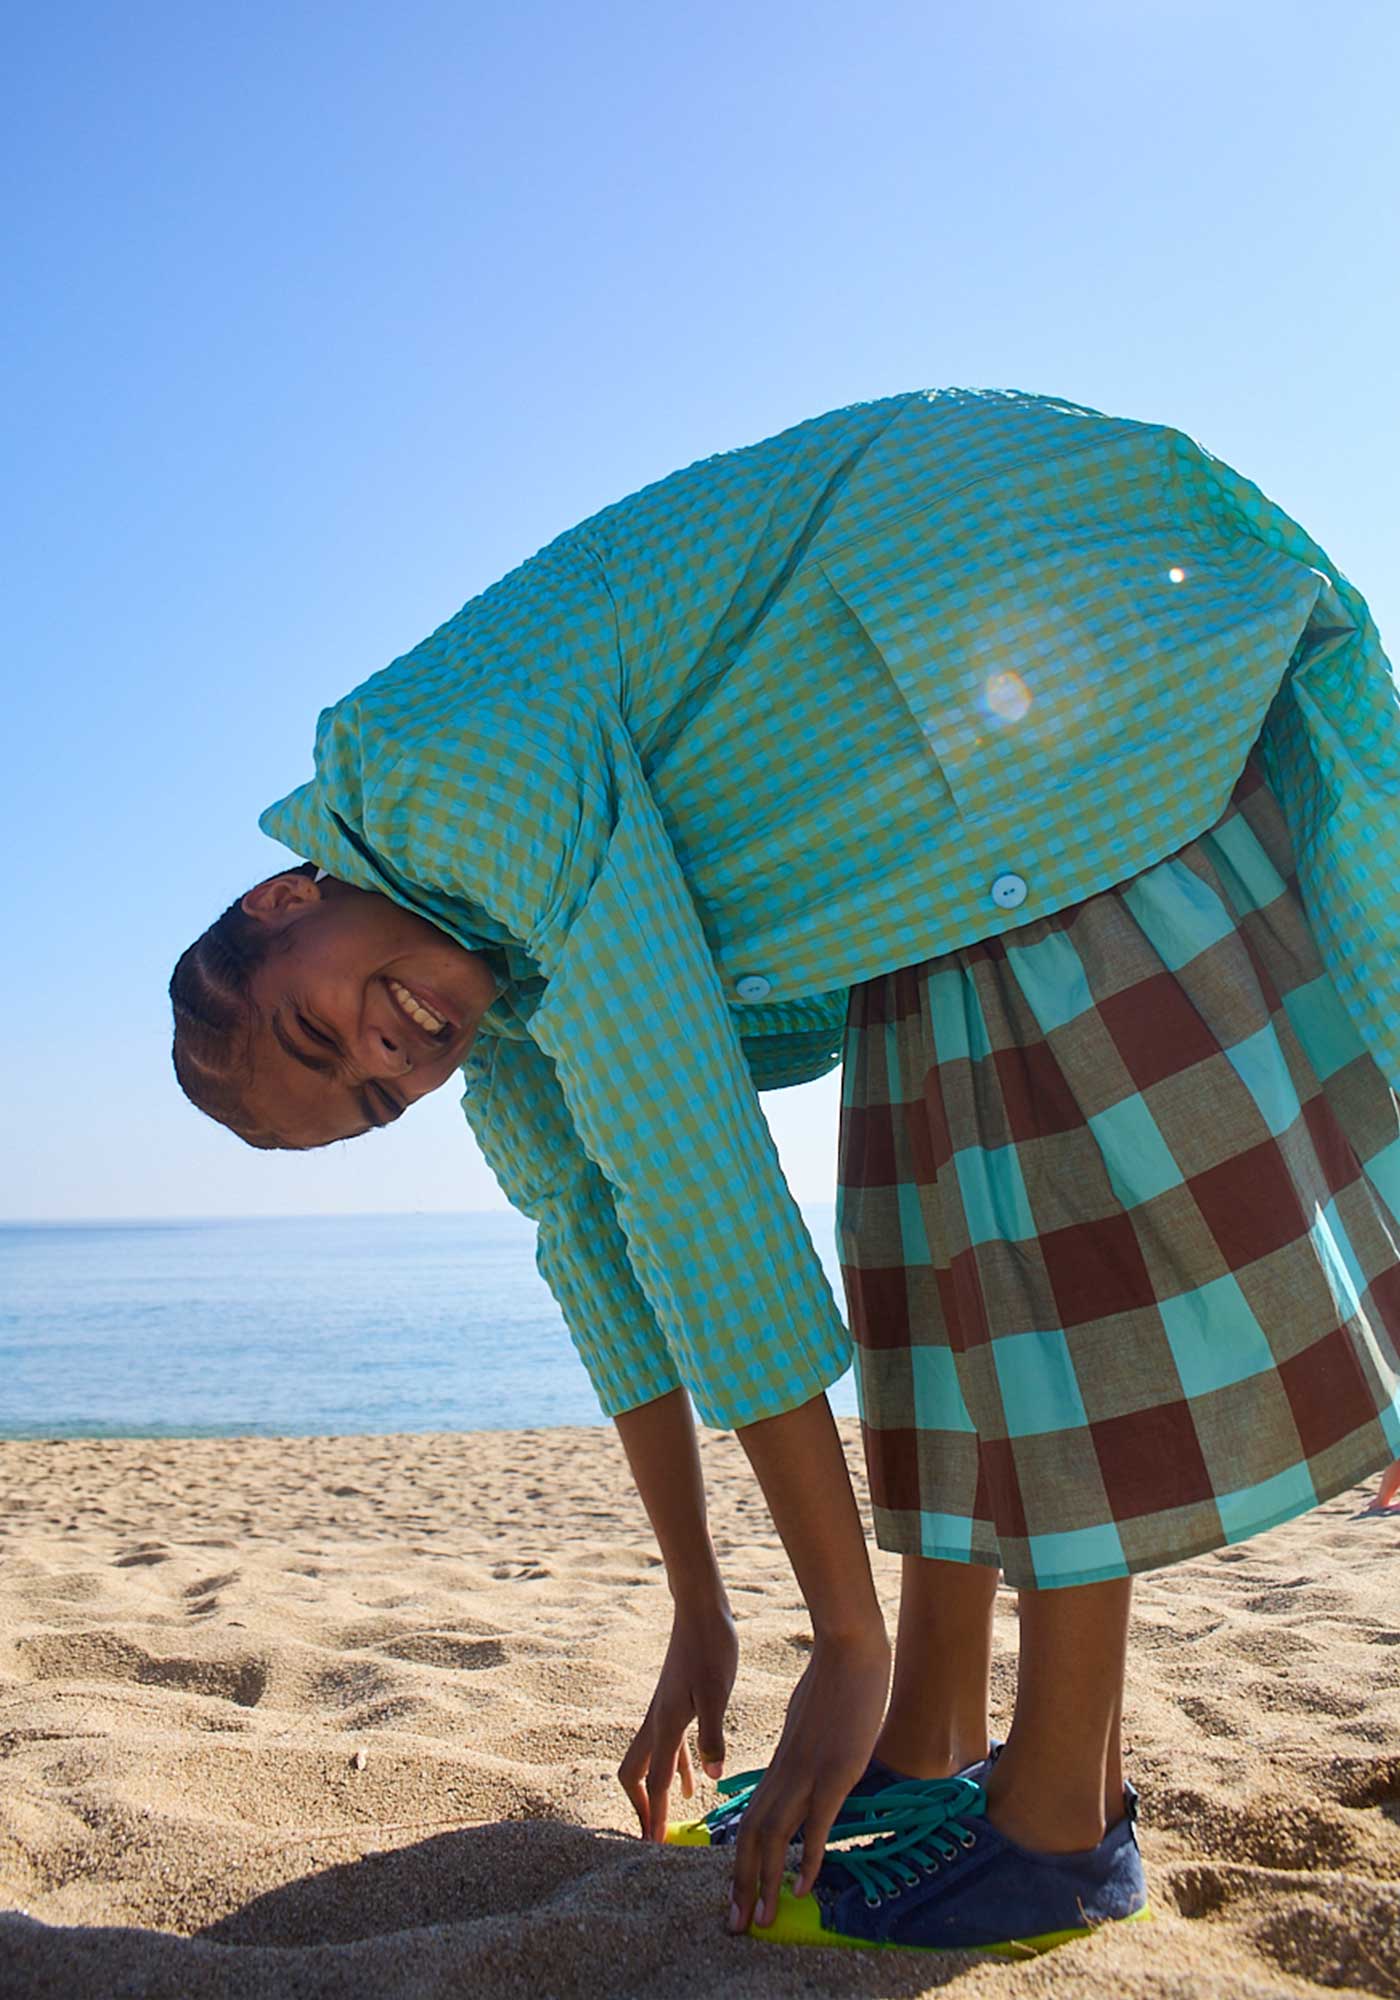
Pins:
x,y
417,1010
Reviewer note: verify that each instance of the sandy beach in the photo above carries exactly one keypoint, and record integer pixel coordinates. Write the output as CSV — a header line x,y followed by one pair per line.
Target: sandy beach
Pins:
x,y
340,1717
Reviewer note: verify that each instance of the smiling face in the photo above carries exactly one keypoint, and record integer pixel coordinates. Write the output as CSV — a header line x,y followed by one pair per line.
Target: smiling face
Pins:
x,y
360,1009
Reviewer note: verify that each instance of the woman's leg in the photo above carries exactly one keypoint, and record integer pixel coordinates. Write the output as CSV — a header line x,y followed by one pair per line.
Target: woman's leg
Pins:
x,y
937,1717
1058,1784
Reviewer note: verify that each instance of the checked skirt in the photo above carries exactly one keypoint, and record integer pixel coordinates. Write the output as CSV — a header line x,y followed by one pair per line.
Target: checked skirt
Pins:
x,y
1118,1224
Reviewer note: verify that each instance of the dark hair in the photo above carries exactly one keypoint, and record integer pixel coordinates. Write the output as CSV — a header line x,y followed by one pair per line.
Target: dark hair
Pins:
x,y
210,994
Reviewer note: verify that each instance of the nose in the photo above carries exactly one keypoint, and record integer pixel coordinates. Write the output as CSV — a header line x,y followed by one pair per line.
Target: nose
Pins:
x,y
395,1058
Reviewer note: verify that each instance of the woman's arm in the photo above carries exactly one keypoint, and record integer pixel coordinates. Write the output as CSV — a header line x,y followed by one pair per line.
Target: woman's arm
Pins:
x,y
659,1440
835,1712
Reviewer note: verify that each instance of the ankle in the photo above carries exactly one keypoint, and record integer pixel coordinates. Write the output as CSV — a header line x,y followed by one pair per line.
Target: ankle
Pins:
x,y
914,1762
920,1753
1054,1818
1042,1831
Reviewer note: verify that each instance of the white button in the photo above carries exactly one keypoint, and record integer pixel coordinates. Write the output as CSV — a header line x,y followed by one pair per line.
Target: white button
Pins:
x,y
753,986
1009,892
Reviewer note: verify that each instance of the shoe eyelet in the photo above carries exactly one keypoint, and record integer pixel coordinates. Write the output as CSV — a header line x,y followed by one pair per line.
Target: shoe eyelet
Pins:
x,y
873,1902
968,1840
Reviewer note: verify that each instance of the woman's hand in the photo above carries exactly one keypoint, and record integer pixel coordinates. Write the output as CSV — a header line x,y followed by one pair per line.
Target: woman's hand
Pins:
x,y
832,1722
694,1686
703,1656
836,1708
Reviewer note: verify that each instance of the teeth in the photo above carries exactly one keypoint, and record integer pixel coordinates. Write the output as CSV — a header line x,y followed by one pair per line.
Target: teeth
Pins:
x,y
415,1009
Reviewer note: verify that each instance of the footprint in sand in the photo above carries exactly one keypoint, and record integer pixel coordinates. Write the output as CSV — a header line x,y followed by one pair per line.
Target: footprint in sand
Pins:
x,y
207,1585
386,1630
99,1656
1209,1716
440,1649
1349,1946
1335,1932
1303,1698
1273,1832
1303,1597
1373,1782
1268,1646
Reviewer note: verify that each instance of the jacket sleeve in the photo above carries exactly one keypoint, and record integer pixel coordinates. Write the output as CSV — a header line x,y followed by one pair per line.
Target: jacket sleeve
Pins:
x,y
650,1066
516,1109
632,1120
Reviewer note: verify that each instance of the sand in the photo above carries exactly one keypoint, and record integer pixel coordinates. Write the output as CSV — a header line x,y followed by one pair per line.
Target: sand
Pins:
x,y
340,1717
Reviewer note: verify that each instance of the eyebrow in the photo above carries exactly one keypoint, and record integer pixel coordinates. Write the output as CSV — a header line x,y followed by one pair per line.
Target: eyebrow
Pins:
x,y
326,1066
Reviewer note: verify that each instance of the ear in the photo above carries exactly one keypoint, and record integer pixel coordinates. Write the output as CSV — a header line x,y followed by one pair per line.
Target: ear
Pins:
x,y
281,899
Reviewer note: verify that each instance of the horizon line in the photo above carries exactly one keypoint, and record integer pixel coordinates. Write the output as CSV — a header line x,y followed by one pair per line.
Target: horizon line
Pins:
x,y
280,1215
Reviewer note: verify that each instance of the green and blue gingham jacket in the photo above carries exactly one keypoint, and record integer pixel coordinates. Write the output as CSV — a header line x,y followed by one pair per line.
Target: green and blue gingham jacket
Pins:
x,y
902,677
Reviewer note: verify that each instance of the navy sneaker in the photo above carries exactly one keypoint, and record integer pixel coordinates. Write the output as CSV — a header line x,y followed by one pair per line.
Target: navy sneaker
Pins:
x,y
720,1828
939,1877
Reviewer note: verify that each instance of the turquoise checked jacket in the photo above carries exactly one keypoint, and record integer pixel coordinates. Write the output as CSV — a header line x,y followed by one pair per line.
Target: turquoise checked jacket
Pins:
x,y
900,678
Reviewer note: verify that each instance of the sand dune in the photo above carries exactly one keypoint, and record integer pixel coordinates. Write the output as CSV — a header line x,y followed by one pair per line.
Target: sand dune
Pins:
x,y
339,1717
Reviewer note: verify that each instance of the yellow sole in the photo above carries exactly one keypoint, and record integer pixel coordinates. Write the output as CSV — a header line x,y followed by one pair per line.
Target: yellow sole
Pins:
x,y
798,1920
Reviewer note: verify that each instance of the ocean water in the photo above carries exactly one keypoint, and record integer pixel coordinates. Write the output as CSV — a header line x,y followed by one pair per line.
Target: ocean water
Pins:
x,y
291,1327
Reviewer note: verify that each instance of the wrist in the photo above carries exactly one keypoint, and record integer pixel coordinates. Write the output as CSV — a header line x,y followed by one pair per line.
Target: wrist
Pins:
x,y
696,1586
862,1632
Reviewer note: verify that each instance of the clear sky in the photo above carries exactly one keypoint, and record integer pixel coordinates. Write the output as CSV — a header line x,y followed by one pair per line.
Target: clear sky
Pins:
x,y
322,316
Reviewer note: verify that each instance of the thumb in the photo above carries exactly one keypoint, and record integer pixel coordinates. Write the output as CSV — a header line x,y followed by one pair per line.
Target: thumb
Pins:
x,y
710,1731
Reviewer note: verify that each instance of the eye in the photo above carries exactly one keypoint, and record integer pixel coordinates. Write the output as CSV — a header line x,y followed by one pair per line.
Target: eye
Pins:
x,y
382,1108
315,1035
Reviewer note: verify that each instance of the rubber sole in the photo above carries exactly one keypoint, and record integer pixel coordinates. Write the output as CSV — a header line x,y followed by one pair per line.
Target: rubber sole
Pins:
x,y
798,1920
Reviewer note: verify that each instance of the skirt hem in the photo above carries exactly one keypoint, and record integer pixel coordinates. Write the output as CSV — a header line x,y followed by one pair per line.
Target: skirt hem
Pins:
x,y
895,1539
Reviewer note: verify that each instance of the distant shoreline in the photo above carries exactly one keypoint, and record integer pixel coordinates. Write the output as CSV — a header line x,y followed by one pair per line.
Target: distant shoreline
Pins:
x,y
503,1209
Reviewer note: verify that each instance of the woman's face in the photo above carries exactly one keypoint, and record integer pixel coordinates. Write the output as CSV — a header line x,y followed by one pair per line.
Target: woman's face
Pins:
x,y
362,1008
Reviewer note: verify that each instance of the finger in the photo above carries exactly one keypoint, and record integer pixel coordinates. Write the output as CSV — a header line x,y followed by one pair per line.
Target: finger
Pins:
x,y
772,1865
663,1770
817,1825
630,1773
743,1887
686,1771
710,1735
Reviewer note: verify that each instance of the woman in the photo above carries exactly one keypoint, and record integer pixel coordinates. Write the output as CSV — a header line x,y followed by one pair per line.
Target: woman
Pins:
x,y
1036,757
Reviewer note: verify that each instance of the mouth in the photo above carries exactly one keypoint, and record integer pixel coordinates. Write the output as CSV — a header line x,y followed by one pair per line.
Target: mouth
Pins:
x,y
422,1011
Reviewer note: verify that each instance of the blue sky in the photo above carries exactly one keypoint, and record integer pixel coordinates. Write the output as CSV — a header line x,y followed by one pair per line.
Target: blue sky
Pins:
x,y
322,317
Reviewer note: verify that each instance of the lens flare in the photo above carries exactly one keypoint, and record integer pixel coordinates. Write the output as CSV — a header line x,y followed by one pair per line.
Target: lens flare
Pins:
x,y
1007,696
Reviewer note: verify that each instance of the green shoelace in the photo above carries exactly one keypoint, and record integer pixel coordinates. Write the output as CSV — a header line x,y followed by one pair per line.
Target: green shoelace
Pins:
x,y
737,1793
917,1828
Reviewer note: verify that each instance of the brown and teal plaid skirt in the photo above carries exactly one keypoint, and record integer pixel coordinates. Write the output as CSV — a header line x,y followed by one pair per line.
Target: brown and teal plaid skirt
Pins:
x,y
1118,1220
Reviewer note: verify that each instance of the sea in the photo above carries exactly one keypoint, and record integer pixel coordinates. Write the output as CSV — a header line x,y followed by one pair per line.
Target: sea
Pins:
x,y
347,1325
